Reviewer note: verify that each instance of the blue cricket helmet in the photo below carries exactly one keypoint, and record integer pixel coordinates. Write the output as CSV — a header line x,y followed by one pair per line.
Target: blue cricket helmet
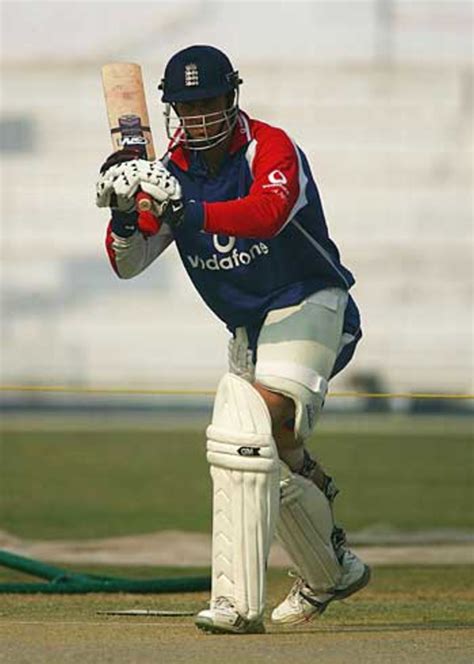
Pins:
x,y
198,72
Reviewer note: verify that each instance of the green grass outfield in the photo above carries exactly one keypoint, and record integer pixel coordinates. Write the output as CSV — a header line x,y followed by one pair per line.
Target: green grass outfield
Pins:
x,y
77,482
407,614
70,480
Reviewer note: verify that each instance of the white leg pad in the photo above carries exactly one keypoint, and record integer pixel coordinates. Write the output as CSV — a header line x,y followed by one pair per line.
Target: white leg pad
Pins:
x,y
304,529
245,475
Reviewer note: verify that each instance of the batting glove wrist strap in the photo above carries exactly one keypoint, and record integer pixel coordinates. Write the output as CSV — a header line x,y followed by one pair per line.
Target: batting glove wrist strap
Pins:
x,y
124,224
173,213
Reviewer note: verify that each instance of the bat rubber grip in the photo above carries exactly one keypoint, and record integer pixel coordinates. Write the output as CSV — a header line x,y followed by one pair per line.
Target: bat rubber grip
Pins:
x,y
148,223
144,202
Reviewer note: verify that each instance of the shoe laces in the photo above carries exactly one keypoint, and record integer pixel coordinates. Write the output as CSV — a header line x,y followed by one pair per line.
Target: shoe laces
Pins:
x,y
223,603
299,585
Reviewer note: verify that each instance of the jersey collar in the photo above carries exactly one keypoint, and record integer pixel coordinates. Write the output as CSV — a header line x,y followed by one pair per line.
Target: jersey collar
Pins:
x,y
241,136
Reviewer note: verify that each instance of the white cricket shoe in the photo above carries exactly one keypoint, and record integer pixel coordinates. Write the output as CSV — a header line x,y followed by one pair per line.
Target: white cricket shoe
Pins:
x,y
302,604
223,618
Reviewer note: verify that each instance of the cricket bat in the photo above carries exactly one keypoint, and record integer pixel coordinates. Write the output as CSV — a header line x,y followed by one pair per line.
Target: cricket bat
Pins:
x,y
129,124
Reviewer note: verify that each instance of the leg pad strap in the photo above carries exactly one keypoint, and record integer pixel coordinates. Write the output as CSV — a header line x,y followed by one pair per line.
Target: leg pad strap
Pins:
x,y
305,528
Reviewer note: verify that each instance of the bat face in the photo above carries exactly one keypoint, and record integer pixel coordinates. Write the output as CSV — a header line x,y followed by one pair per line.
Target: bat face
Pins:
x,y
126,107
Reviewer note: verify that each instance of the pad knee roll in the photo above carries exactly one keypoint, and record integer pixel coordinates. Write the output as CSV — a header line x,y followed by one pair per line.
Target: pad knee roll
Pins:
x,y
240,436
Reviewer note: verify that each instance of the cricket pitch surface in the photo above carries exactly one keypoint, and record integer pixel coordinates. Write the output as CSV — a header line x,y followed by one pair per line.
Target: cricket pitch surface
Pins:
x,y
173,642
418,609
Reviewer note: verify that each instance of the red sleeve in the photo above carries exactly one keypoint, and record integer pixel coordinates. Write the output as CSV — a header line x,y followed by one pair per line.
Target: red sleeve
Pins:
x,y
273,194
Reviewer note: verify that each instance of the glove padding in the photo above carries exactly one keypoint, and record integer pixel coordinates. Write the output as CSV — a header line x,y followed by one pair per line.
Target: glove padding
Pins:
x,y
118,185
106,196
120,156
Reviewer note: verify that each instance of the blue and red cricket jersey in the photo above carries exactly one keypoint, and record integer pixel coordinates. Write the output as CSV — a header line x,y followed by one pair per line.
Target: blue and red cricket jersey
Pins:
x,y
254,237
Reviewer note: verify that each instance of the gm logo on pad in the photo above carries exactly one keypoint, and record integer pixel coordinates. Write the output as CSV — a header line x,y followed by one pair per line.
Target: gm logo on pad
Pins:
x,y
249,451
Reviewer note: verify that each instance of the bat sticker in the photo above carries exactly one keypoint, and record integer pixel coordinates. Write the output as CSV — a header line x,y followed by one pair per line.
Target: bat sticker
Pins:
x,y
131,131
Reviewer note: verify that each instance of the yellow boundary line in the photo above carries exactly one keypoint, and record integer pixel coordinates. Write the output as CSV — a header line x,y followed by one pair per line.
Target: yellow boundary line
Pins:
x,y
64,389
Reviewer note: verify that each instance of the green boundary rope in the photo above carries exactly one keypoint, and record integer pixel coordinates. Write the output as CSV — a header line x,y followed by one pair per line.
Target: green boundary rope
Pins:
x,y
61,581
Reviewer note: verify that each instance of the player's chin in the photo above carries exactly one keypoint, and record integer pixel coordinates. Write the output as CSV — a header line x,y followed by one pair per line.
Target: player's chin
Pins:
x,y
203,133
196,133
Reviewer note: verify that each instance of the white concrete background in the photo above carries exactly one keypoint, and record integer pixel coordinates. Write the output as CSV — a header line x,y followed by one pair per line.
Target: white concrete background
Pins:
x,y
383,110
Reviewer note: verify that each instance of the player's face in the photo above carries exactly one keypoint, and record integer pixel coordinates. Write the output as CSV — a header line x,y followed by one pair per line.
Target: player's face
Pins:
x,y
203,118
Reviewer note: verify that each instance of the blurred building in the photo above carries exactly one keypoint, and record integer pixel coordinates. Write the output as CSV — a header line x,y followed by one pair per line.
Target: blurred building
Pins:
x,y
379,94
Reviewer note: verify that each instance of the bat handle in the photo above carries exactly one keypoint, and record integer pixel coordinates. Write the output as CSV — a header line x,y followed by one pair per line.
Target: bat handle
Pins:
x,y
143,201
148,223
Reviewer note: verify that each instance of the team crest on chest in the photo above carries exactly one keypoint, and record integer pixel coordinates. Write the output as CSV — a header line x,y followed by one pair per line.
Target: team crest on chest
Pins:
x,y
191,75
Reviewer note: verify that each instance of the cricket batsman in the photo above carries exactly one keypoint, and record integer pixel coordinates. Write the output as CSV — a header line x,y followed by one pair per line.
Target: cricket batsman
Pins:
x,y
238,198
